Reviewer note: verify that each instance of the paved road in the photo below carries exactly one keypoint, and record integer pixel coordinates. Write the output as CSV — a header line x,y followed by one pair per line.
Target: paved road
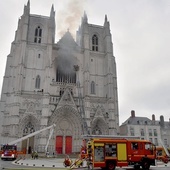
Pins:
x,y
57,163
4,164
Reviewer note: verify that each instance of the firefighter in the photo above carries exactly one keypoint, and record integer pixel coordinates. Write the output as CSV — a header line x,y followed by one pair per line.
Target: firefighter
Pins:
x,y
67,161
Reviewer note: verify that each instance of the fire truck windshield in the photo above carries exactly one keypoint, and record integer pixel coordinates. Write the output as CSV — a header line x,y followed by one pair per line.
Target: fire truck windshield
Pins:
x,y
9,147
151,147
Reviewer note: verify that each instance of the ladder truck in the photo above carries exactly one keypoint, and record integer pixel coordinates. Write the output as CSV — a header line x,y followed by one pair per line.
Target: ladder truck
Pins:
x,y
9,151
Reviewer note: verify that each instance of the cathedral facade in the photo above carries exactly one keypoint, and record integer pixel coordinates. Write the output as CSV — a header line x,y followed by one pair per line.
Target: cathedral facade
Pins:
x,y
71,83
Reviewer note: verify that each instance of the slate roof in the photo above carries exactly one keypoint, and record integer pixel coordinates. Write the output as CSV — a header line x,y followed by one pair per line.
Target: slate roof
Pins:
x,y
145,121
138,120
67,40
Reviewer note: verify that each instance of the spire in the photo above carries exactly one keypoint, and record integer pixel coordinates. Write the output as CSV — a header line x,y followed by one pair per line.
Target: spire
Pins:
x,y
28,3
52,13
27,8
105,18
106,22
85,19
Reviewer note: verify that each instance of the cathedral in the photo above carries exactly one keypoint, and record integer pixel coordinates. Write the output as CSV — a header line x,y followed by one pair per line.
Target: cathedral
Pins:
x,y
69,83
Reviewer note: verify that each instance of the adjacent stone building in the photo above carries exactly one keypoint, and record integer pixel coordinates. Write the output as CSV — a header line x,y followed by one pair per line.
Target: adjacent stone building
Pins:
x,y
72,84
156,131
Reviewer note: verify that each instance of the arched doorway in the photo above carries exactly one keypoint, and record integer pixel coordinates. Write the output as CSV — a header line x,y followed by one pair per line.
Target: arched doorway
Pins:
x,y
28,126
68,130
29,143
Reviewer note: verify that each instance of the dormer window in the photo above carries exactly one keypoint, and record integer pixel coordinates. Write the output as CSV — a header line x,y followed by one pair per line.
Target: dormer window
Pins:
x,y
95,43
38,35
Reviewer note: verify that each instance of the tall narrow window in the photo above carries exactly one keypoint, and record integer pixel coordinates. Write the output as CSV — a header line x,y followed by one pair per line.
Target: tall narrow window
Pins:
x,y
95,43
155,132
38,35
142,133
37,82
92,87
150,132
132,131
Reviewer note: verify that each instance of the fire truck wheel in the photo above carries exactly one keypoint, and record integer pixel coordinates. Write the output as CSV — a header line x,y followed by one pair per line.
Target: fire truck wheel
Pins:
x,y
111,165
145,164
136,167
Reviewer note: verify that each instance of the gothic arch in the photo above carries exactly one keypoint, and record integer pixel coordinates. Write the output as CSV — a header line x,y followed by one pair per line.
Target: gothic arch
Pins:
x,y
28,125
38,31
93,90
99,126
95,42
68,121
37,82
28,120
68,124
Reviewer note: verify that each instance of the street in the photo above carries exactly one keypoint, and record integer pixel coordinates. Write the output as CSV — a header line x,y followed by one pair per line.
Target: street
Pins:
x,y
4,164
7,164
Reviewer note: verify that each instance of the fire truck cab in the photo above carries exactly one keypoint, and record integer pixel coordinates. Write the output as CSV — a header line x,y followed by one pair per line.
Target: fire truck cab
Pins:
x,y
8,152
112,152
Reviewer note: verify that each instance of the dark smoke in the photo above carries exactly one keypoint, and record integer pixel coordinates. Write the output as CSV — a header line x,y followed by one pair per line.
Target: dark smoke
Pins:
x,y
65,61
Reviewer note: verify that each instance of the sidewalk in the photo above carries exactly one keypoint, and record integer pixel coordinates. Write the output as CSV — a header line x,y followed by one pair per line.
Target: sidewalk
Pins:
x,y
41,162
58,162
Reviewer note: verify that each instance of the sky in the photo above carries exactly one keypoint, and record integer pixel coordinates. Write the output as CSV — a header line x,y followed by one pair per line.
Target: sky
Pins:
x,y
141,42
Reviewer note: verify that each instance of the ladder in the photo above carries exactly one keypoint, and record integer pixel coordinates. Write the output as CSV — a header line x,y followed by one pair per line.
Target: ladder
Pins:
x,y
110,137
166,150
82,112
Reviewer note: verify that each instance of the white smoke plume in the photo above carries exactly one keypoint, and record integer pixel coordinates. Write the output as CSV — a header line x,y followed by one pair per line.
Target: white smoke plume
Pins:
x,y
70,17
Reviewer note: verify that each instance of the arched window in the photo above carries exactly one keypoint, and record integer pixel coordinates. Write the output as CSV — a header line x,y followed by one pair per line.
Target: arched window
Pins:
x,y
29,128
92,87
38,35
95,43
37,82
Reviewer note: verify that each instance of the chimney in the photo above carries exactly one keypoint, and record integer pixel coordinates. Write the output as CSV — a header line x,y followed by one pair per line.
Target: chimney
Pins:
x,y
162,123
153,117
132,113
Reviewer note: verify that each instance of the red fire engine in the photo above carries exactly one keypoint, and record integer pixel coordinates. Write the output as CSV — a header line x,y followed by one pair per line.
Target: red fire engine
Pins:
x,y
8,152
118,151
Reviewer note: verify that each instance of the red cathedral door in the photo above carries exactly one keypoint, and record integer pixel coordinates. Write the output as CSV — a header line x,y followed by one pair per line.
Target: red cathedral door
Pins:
x,y
59,144
68,144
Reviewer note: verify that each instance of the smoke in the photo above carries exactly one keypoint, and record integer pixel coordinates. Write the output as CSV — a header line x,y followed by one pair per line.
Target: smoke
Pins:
x,y
69,17
65,61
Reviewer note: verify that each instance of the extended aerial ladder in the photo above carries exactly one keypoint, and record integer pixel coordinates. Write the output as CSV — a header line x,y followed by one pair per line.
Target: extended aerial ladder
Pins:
x,y
82,112
110,137
35,133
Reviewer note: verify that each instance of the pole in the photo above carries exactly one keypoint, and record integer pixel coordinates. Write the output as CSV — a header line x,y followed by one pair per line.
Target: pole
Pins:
x,y
27,145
